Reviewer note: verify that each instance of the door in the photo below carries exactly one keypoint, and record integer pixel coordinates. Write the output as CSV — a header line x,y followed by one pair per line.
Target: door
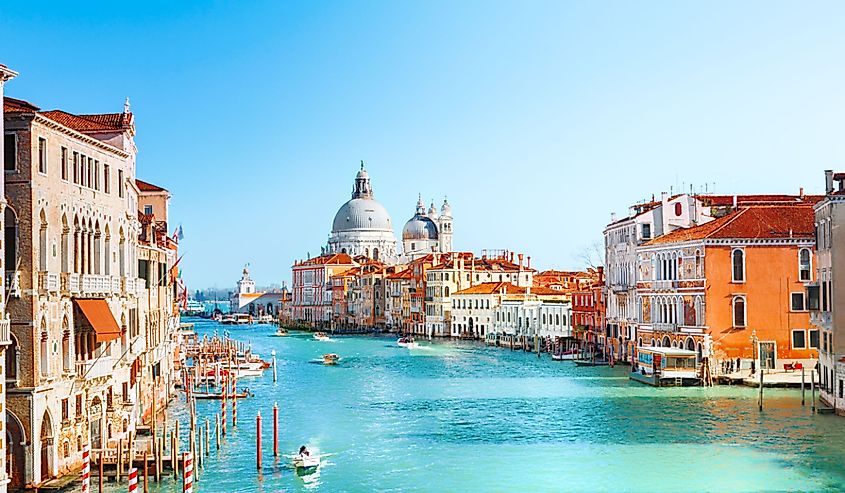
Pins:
x,y
767,355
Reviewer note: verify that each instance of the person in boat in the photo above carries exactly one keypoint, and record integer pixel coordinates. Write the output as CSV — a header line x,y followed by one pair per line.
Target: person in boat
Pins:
x,y
303,452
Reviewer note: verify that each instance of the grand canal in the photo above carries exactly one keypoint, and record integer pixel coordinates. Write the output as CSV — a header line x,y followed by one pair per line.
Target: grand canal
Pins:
x,y
465,418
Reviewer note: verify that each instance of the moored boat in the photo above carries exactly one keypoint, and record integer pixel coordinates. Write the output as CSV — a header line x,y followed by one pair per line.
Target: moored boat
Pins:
x,y
591,362
666,367
566,355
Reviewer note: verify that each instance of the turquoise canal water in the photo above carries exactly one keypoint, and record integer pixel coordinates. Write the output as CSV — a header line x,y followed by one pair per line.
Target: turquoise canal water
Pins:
x,y
455,417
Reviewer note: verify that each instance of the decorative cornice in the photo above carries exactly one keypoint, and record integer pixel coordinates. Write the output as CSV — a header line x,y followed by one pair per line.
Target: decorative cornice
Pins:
x,y
78,135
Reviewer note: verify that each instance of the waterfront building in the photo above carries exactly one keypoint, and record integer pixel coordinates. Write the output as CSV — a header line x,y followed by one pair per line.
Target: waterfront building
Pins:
x,y
398,299
71,235
158,313
588,310
312,288
561,280
732,287
532,312
246,299
460,270
6,74
826,293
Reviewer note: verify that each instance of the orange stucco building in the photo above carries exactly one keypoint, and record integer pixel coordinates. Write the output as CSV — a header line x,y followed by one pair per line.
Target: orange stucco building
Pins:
x,y
733,287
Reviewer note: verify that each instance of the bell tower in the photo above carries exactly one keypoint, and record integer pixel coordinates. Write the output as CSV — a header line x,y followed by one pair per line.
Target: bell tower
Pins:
x,y
444,226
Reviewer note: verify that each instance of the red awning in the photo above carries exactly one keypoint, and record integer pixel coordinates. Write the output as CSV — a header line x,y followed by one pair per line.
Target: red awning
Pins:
x,y
99,315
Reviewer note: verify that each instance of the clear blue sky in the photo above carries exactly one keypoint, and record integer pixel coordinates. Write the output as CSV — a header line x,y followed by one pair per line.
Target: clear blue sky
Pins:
x,y
537,119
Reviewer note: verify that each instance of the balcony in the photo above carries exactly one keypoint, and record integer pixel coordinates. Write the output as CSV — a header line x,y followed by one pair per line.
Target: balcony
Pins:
x,y
665,285
664,327
619,287
94,368
48,282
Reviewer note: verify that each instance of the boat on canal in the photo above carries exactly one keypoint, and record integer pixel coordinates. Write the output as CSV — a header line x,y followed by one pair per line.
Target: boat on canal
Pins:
x,y
306,462
407,342
214,395
281,332
236,319
591,362
330,359
666,367
572,354
321,336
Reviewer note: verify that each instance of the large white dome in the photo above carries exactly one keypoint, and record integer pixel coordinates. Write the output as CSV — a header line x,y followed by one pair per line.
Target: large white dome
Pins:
x,y
361,214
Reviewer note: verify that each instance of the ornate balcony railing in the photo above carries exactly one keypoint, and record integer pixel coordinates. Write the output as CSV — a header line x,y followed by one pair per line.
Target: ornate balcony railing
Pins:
x,y
5,332
94,368
664,327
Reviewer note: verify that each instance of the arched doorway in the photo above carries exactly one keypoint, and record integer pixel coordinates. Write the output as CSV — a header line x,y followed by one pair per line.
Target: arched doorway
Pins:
x,y
47,452
95,415
666,342
15,454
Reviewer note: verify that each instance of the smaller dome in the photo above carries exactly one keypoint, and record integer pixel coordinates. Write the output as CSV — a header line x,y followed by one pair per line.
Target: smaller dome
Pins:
x,y
419,227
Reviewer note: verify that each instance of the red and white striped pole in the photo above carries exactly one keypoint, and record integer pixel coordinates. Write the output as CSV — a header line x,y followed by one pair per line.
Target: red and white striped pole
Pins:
x,y
234,402
133,480
86,468
187,472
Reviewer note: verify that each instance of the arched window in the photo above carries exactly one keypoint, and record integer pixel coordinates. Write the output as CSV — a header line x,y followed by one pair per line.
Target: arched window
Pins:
x,y
446,291
804,265
739,311
738,265
42,243
375,256
65,245
11,238
557,319
544,319
66,359
107,257
699,272
564,320
44,356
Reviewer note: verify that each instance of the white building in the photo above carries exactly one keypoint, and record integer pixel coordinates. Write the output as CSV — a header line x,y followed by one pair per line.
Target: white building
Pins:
x,y
827,296
532,315
247,300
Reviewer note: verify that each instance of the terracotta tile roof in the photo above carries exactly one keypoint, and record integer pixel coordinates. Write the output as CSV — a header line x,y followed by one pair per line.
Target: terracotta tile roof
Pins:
x,y
761,199
492,288
12,105
108,122
330,259
753,222
148,187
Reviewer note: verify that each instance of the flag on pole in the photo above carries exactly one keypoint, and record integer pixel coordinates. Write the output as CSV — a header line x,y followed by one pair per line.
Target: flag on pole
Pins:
x,y
178,234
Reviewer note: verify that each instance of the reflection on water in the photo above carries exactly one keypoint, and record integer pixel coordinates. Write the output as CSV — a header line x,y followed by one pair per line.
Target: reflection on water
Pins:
x,y
463,417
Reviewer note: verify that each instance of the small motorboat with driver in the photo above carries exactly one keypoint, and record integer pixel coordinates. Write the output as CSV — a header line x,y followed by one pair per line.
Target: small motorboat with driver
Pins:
x,y
304,460
330,359
408,342
321,336
281,332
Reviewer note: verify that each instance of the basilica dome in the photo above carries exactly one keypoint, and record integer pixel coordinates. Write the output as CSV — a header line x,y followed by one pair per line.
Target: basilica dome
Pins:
x,y
361,213
419,227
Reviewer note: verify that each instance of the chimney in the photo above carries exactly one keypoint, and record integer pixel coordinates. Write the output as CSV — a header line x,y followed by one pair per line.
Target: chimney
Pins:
x,y
520,261
801,192
529,262
735,201
828,181
511,257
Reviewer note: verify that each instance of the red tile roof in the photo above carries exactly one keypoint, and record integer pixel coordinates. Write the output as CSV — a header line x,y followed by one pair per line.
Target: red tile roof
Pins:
x,y
12,105
108,122
148,187
330,259
753,222
508,288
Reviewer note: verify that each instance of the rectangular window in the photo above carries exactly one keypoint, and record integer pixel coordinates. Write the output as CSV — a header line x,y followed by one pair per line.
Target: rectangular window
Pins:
x,y
64,163
65,410
83,170
106,187
814,338
96,175
78,405
10,152
824,296
76,168
144,271
90,168
812,297
125,390
646,231
799,337
148,210
42,155
797,304
120,183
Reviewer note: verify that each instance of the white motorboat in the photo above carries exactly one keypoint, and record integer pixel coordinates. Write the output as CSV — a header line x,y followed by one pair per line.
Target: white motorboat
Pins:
x,y
566,356
321,336
281,332
407,342
306,461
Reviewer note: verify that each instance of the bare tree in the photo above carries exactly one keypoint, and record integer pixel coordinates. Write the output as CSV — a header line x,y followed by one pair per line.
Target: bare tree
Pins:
x,y
592,255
